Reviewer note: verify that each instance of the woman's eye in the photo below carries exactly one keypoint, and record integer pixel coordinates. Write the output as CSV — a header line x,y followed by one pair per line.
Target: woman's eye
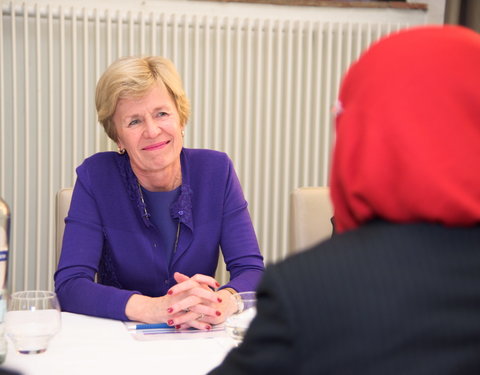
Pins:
x,y
162,114
133,122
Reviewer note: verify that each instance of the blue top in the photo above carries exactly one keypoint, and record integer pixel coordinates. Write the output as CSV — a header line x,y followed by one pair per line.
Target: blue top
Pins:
x,y
109,232
158,205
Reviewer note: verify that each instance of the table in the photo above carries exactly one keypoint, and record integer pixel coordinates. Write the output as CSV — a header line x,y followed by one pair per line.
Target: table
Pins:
x,y
90,345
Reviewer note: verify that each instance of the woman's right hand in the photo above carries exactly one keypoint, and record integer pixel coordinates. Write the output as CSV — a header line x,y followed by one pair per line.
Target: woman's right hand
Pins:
x,y
180,305
212,310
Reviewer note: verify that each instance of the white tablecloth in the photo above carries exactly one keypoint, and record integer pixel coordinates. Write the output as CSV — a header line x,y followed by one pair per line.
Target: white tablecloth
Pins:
x,y
88,345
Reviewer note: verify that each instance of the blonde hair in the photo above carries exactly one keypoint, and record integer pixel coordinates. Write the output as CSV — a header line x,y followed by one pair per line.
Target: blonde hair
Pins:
x,y
133,77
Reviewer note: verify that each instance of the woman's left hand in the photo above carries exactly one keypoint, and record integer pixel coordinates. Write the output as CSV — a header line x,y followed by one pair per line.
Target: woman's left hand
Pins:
x,y
200,307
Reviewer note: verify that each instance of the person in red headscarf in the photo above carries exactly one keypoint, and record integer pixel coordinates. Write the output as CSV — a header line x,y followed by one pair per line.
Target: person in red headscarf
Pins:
x,y
397,289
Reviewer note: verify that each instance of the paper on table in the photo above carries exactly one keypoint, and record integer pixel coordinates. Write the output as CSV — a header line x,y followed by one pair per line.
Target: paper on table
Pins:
x,y
143,332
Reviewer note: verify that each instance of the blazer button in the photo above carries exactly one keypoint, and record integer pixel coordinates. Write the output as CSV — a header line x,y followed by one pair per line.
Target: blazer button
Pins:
x,y
180,213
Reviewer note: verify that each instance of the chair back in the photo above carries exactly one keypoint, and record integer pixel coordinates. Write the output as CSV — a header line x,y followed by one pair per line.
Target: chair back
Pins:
x,y
311,211
62,203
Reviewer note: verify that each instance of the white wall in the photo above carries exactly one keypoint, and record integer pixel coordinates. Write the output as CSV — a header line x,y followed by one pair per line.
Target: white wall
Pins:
x,y
224,9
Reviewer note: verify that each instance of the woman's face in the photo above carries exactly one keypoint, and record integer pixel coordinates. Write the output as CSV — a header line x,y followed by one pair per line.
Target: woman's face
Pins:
x,y
148,128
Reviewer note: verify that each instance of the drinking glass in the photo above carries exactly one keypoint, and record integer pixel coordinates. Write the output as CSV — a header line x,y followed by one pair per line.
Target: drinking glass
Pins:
x,y
32,319
237,324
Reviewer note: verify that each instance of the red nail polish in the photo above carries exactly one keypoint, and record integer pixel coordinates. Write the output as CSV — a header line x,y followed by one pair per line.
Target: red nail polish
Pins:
x,y
208,328
217,284
169,310
170,322
218,313
170,292
219,300
178,326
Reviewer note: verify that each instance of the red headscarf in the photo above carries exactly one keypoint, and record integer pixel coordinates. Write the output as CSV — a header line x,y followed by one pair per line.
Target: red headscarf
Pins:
x,y
408,131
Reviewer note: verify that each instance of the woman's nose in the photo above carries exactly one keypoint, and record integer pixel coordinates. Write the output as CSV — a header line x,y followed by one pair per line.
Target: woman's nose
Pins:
x,y
151,128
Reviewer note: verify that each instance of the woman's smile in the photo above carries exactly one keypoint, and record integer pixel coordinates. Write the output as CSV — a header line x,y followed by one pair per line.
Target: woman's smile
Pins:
x,y
156,146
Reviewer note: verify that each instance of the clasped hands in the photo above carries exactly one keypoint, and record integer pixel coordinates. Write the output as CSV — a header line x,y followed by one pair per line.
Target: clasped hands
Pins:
x,y
192,302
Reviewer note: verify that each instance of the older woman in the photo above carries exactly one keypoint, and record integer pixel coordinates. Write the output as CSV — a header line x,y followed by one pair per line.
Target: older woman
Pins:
x,y
397,290
150,219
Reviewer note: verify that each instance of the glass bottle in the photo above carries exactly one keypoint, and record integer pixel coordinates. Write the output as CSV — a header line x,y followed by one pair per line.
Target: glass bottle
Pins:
x,y
4,240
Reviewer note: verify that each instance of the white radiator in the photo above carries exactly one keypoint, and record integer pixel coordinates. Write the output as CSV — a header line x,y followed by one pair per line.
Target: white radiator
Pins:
x,y
261,90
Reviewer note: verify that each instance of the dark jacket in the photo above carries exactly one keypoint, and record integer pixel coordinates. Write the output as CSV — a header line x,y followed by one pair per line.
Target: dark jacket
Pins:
x,y
382,299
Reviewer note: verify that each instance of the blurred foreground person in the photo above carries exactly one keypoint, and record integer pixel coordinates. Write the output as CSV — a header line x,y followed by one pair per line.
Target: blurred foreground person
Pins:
x,y
397,291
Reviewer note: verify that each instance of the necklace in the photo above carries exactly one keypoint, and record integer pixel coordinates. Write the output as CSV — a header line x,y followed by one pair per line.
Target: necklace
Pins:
x,y
145,213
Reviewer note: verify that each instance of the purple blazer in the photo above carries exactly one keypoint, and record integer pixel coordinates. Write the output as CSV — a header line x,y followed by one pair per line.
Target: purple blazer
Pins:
x,y
108,233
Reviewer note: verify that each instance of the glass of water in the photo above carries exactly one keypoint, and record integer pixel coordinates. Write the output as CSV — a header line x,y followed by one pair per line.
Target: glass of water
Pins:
x,y
32,319
237,324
